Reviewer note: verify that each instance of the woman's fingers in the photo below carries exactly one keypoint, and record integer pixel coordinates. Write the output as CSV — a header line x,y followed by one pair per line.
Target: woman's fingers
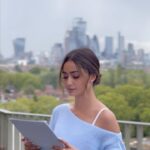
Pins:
x,y
29,145
56,148
67,146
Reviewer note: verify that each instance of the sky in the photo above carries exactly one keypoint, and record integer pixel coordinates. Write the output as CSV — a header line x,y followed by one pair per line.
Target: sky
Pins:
x,y
45,22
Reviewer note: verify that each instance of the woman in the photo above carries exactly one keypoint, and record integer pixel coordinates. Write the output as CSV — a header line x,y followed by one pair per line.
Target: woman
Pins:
x,y
87,124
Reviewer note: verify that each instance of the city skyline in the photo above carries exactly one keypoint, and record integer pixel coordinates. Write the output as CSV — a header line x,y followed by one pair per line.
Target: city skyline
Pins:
x,y
46,23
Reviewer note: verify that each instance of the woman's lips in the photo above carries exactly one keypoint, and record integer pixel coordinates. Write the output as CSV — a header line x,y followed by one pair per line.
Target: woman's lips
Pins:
x,y
71,90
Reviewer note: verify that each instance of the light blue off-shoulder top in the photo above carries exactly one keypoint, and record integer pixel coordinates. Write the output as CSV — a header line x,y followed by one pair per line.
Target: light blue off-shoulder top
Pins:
x,y
83,135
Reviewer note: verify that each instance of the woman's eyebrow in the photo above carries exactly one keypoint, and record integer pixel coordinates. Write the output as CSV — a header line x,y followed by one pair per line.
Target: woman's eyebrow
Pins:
x,y
74,71
70,72
63,72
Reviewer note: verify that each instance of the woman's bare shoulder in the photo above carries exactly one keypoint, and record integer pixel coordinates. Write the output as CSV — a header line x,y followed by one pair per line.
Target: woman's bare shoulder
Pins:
x,y
108,121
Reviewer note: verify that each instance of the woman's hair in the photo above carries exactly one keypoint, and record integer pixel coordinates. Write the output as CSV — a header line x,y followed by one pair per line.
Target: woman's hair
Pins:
x,y
86,59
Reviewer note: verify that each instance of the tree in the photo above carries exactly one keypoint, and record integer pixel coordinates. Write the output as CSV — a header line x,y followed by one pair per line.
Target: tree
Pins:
x,y
102,89
133,94
50,77
44,105
118,105
20,105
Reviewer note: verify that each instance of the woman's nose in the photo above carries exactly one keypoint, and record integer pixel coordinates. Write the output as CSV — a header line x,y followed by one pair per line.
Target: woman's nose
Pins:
x,y
69,81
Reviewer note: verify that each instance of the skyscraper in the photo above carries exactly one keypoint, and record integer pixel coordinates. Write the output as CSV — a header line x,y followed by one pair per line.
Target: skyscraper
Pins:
x,y
121,43
76,38
131,52
94,45
56,55
80,25
140,55
121,48
19,47
108,51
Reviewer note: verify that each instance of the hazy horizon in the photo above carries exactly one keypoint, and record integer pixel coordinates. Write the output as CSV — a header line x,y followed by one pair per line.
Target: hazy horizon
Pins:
x,y
44,22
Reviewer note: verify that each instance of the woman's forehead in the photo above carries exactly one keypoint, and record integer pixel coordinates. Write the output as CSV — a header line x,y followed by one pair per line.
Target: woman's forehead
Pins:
x,y
70,65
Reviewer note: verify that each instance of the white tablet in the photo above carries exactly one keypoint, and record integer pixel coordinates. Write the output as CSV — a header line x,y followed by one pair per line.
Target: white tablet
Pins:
x,y
38,132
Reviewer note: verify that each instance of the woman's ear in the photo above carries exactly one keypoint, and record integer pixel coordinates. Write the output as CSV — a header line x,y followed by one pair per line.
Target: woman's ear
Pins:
x,y
92,78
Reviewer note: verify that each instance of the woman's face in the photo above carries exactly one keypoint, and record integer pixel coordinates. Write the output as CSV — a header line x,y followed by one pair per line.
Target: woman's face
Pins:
x,y
74,80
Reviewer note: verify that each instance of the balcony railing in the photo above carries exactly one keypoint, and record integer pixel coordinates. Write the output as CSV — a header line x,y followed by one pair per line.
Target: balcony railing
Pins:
x,y
10,138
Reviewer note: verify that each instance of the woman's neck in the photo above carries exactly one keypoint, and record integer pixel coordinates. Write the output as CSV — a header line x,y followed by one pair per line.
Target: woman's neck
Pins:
x,y
86,101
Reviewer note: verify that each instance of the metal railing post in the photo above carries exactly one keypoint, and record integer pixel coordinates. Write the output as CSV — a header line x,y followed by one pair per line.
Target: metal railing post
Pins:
x,y
127,134
10,134
139,137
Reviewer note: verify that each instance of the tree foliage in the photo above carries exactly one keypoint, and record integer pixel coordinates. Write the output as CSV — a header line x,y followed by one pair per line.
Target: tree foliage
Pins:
x,y
125,92
43,105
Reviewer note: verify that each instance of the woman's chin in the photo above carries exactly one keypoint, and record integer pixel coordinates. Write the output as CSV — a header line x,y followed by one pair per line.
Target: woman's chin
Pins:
x,y
72,93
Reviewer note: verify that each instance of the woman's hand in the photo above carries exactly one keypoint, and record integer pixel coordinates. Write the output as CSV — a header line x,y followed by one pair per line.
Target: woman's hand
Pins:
x,y
29,146
67,146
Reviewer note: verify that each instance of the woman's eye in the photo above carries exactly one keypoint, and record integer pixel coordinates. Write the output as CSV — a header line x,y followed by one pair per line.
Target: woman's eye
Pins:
x,y
75,75
65,77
